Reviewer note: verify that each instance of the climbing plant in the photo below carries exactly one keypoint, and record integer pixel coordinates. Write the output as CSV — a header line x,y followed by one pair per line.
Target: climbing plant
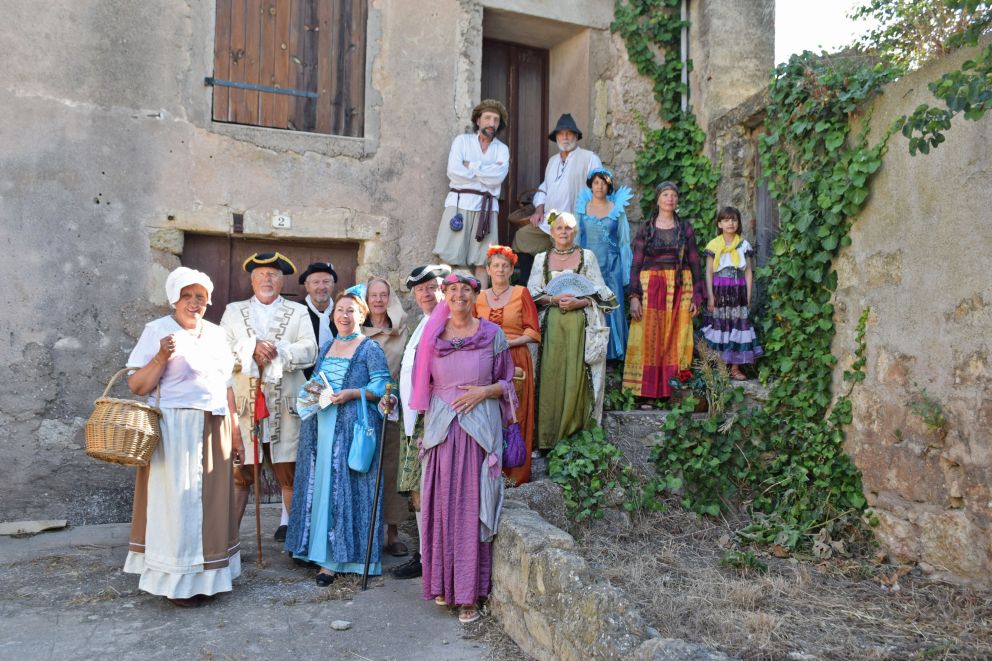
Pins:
x,y
651,30
785,459
909,33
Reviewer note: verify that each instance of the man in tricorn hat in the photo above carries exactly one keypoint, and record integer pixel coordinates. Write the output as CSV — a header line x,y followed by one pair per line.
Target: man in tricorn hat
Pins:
x,y
477,165
273,341
424,282
564,177
319,280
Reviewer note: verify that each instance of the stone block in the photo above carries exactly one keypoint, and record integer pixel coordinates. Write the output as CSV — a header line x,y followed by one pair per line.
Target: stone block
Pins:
x,y
542,496
949,542
893,367
673,649
971,369
884,268
967,309
167,240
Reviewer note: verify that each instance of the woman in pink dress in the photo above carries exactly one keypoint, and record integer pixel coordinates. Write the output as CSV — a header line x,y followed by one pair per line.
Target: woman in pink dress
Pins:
x,y
462,379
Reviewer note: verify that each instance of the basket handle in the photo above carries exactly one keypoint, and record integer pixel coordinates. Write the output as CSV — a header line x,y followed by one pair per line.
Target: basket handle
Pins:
x,y
117,375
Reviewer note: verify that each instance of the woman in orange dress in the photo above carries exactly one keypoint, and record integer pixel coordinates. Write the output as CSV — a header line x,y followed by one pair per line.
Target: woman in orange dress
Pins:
x,y
511,308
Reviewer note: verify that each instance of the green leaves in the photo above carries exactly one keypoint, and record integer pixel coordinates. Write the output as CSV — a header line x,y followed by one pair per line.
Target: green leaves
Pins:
x,y
588,468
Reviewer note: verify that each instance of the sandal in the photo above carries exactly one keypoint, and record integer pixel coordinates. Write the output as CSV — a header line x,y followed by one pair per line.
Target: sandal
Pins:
x,y
738,375
439,600
468,614
324,579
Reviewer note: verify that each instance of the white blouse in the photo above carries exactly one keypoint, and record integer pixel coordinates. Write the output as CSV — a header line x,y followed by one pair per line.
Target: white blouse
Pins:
x,y
198,372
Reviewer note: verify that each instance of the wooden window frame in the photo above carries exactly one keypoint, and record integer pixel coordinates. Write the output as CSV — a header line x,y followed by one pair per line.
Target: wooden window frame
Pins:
x,y
279,46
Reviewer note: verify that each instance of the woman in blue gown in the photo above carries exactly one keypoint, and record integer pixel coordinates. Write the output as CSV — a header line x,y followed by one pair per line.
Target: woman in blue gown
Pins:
x,y
603,229
329,524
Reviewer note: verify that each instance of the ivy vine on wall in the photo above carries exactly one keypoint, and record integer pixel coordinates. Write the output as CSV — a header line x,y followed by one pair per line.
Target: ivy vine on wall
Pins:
x,y
785,458
651,30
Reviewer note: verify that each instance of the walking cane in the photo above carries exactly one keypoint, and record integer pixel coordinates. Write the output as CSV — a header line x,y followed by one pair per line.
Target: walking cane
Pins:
x,y
260,412
375,495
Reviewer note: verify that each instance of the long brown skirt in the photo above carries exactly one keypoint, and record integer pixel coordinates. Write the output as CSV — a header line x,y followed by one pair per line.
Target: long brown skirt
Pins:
x,y
184,535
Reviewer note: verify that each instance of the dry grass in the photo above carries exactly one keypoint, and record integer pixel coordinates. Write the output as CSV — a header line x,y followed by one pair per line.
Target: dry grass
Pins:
x,y
669,563
499,646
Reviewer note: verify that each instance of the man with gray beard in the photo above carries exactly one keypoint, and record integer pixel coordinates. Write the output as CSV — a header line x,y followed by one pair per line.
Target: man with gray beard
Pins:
x,y
564,177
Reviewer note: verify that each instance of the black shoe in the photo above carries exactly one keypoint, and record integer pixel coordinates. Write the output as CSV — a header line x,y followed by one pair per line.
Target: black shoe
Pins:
x,y
280,534
323,580
409,569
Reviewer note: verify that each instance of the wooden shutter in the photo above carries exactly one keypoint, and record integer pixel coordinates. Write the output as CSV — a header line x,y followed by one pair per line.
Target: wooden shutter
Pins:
x,y
316,47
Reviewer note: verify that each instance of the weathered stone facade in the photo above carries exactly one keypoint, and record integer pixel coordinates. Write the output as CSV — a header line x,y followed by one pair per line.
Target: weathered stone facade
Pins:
x,y
552,603
915,264
111,160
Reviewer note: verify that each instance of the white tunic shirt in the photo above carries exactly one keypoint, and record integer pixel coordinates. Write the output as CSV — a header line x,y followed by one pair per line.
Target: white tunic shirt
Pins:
x,y
484,172
563,180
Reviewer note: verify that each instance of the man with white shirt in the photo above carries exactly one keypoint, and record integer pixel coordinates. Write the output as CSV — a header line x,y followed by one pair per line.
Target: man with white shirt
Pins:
x,y
319,280
477,165
273,342
564,176
424,282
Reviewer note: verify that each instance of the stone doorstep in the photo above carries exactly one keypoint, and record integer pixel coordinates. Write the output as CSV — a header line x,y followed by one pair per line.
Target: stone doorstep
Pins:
x,y
550,602
637,432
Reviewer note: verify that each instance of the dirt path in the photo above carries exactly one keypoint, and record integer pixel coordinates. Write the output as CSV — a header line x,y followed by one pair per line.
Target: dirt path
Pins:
x,y
63,596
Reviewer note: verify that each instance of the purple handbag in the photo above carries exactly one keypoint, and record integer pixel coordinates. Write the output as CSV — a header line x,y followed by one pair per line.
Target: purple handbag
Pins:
x,y
514,449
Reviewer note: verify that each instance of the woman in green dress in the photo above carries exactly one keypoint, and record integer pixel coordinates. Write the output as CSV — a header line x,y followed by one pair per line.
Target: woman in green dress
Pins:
x,y
571,375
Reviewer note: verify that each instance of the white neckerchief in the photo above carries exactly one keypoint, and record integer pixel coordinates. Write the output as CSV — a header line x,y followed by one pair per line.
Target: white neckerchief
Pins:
x,y
324,324
261,315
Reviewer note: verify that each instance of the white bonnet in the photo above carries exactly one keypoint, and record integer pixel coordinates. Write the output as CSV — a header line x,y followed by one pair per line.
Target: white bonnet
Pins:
x,y
184,277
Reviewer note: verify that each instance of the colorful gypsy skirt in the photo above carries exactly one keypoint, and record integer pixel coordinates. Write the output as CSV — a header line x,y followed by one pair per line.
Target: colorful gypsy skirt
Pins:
x,y
728,330
660,344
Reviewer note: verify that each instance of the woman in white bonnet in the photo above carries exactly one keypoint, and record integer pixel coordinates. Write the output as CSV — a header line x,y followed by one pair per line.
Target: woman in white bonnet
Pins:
x,y
184,536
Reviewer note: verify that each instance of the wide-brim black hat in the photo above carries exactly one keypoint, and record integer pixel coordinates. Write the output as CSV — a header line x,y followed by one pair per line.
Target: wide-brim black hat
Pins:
x,y
272,260
565,123
426,273
319,267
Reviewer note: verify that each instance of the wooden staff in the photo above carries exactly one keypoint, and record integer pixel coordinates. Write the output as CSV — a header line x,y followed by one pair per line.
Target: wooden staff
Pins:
x,y
375,495
260,412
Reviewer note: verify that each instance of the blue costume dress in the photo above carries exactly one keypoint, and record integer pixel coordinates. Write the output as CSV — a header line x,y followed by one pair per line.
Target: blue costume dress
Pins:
x,y
609,239
329,524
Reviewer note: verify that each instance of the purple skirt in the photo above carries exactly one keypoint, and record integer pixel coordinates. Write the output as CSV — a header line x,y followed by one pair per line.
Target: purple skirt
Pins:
x,y
728,330
457,566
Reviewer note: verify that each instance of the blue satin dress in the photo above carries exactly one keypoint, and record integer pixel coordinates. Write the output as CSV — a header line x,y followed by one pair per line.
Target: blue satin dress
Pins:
x,y
609,239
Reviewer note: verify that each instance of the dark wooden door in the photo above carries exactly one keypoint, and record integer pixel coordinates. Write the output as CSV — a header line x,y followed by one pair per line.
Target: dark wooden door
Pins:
x,y
518,76
221,258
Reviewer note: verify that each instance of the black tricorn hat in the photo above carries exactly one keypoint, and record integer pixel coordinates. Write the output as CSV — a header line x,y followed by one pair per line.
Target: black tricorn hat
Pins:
x,y
565,123
422,274
272,260
319,267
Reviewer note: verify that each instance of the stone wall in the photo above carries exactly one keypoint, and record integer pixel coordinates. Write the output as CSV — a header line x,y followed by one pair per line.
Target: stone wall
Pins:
x,y
917,262
111,158
549,600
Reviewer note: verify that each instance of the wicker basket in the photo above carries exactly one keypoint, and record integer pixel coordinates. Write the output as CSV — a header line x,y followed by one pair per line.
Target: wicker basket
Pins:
x,y
123,431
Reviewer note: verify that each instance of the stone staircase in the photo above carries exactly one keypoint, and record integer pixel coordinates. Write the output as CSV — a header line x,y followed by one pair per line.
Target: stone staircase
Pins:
x,y
636,432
